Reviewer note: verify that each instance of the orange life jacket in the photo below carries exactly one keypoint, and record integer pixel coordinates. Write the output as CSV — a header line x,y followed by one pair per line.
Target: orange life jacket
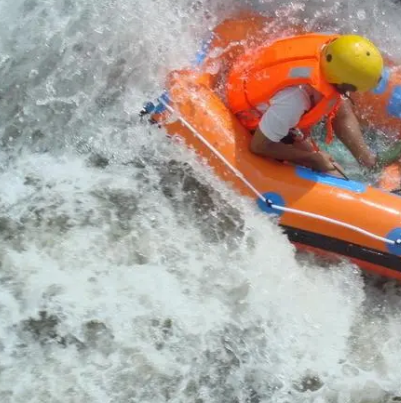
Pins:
x,y
258,75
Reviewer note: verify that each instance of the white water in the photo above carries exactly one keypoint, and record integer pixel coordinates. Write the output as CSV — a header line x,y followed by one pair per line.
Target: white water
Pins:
x,y
129,273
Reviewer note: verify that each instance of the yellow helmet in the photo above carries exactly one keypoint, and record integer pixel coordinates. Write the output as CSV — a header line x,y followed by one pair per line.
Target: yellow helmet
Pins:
x,y
353,61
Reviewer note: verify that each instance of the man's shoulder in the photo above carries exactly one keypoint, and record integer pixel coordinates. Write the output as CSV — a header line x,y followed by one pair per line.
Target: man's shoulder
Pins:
x,y
294,95
304,89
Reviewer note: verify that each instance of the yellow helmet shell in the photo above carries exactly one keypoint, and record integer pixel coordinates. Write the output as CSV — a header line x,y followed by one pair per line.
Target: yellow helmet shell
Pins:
x,y
352,60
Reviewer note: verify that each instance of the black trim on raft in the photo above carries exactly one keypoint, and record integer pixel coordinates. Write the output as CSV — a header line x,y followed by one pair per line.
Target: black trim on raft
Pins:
x,y
347,249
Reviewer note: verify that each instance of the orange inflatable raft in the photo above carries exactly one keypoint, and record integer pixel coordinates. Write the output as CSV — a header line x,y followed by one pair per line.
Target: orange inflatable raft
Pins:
x,y
318,212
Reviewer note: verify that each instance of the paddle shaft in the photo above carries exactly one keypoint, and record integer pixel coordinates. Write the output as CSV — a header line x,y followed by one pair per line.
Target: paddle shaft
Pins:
x,y
340,170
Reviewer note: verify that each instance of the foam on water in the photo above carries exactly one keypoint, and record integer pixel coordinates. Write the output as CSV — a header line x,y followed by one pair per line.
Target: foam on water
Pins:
x,y
129,273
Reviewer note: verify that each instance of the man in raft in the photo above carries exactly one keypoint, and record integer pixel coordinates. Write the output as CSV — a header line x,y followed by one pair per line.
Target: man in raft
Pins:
x,y
281,91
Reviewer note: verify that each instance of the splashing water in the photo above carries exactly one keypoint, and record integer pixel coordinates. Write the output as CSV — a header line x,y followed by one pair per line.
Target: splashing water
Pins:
x,y
129,272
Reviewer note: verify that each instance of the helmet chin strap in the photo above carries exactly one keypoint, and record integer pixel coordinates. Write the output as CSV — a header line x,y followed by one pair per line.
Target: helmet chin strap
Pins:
x,y
347,95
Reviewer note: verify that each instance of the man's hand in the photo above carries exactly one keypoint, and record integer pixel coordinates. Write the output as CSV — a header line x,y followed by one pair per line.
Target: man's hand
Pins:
x,y
321,161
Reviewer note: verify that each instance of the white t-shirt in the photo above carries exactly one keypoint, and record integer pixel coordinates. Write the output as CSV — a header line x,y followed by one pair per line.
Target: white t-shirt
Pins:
x,y
284,111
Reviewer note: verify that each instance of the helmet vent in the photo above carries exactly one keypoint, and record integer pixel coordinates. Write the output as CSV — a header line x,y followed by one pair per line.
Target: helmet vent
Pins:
x,y
367,53
329,58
